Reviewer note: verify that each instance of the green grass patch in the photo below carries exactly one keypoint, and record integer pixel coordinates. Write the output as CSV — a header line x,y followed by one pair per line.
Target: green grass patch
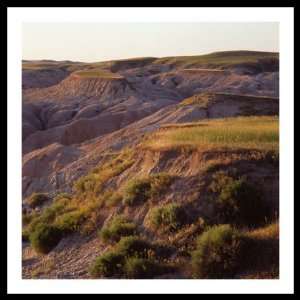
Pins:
x,y
261,133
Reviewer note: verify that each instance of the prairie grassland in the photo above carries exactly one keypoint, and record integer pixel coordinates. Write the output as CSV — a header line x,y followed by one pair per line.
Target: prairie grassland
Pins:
x,y
221,59
260,133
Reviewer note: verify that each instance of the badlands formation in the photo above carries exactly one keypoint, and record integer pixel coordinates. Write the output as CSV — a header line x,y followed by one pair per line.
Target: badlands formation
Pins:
x,y
91,129
70,108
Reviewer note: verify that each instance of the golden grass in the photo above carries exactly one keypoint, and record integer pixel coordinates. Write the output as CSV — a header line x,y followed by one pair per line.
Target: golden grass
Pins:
x,y
260,133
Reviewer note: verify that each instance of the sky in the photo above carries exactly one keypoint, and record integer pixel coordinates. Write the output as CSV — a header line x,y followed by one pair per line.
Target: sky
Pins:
x,y
91,42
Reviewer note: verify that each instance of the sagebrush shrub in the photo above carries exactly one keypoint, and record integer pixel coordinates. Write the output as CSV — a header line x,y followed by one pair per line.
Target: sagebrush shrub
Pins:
x,y
134,246
108,264
44,237
218,253
170,216
116,228
70,221
137,191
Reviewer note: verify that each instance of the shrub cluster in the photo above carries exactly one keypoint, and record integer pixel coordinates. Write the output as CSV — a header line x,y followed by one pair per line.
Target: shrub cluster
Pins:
x,y
45,229
131,257
116,228
139,190
70,221
45,237
170,216
218,253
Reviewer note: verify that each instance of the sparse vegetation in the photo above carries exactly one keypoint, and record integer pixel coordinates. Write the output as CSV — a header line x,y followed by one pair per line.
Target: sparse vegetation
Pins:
x,y
116,228
139,190
94,181
170,216
131,257
218,253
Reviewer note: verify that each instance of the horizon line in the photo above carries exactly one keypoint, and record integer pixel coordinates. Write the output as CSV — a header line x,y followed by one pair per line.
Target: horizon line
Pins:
x,y
154,57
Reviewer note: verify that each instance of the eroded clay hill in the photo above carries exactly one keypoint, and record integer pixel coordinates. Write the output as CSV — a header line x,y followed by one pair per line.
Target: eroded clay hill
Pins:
x,y
95,107
131,168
